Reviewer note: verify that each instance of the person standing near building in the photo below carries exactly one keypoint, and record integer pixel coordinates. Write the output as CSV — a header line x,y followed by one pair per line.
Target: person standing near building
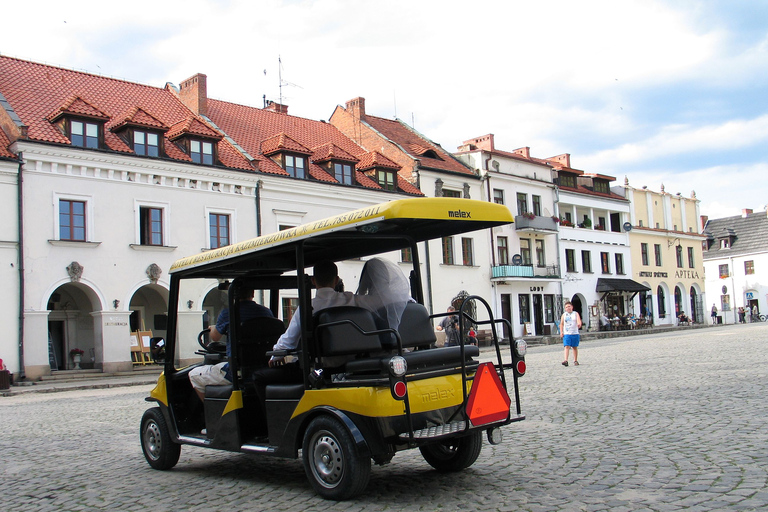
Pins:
x,y
450,324
714,314
570,323
755,314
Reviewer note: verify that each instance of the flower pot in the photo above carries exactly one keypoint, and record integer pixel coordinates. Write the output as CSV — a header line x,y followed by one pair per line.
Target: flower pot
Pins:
x,y
76,359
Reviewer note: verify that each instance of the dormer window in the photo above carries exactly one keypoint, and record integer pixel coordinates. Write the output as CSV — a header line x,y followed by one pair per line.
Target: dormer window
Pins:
x,y
386,179
343,173
601,186
567,180
146,143
201,152
296,166
84,134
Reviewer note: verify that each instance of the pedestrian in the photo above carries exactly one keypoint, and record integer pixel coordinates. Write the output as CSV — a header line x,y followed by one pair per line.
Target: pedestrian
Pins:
x,y
714,314
450,324
755,313
472,335
570,323
741,315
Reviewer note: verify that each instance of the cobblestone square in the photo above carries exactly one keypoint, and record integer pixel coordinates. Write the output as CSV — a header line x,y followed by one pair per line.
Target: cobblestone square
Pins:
x,y
658,422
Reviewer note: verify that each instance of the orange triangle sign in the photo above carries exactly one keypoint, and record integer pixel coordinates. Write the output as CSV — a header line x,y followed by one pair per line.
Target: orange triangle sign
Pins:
x,y
488,400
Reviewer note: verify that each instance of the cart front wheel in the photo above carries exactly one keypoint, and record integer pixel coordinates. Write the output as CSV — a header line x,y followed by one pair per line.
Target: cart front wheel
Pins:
x,y
156,443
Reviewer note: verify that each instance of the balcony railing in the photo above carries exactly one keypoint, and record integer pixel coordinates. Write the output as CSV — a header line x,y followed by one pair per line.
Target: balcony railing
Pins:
x,y
537,224
502,271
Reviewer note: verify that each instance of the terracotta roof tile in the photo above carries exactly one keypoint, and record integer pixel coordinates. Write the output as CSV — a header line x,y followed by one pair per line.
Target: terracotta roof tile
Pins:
x,y
4,143
136,116
416,145
374,159
282,142
75,105
192,126
330,151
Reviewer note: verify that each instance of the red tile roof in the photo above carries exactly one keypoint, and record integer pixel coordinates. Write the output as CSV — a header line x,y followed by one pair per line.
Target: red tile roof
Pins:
x,y
39,93
416,145
4,143
375,159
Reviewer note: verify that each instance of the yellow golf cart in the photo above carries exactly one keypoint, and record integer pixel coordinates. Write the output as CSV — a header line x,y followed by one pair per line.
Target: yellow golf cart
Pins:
x,y
366,391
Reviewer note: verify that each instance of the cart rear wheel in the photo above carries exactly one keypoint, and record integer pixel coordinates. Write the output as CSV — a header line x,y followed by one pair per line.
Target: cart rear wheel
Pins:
x,y
156,443
453,454
331,460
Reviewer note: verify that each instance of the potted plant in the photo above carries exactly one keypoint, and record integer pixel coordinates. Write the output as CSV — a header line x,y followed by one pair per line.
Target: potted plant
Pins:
x,y
76,355
587,223
556,219
566,222
529,215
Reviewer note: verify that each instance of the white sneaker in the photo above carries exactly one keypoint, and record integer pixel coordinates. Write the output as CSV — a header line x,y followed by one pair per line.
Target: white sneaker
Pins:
x,y
204,432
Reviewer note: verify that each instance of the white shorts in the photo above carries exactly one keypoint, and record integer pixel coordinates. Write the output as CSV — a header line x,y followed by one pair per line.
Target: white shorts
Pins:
x,y
208,375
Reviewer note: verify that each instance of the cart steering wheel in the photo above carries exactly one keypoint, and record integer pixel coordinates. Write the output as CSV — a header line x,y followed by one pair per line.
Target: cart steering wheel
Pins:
x,y
212,347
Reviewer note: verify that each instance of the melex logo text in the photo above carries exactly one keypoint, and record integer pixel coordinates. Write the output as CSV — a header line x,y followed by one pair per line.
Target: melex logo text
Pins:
x,y
438,394
459,213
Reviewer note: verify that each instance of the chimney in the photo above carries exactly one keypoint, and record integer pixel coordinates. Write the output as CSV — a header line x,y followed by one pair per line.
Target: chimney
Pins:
x,y
485,142
356,107
745,212
526,152
276,107
704,219
564,159
193,92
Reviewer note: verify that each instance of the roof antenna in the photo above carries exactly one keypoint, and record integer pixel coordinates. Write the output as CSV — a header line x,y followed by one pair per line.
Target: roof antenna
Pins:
x,y
394,99
280,76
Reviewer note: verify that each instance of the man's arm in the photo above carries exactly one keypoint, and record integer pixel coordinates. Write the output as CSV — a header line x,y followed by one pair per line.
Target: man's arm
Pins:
x,y
562,325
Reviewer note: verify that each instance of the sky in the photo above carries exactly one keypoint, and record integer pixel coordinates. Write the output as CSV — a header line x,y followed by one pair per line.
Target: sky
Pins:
x,y
657,91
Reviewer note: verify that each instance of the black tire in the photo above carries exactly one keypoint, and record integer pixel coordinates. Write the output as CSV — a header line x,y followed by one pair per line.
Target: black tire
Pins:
x,y
156,443
331,460
453,454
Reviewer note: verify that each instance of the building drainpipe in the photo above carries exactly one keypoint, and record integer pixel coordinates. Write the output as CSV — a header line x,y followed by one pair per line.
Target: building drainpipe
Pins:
x,y
22,373
257,200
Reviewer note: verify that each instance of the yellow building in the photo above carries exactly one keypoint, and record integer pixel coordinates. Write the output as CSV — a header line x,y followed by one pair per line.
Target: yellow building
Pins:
x,y
665,243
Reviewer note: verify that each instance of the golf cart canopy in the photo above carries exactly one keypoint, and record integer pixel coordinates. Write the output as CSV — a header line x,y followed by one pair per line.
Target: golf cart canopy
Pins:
x,y
373,230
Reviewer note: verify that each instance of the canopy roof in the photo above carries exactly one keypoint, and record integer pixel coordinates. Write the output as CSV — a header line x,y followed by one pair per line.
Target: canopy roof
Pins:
x,y
620,285
373,230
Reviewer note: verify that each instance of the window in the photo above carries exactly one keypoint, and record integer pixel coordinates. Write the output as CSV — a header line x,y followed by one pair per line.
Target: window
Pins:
x,y
567,180
451,193
146,143
725,243
150,226
219,224
498,196
690,257
657,254
601,223
536,205
448,250
662,302
84,135
295,166
406,256
524,302
586,262
525,250
619,263
467,254
201,152
549,309
386,179
600,186
679,256
749,267
540,260
605,263
289,308
503,250
72,220
723,271
522,203
343,173
644,253
569,218
570,260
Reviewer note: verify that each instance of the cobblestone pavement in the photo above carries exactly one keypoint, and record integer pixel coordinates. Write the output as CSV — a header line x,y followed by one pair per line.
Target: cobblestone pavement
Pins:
x,y
663,423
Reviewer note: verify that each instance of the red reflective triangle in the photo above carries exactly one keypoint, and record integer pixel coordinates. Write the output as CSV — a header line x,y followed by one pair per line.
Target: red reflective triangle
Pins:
x,y
488,400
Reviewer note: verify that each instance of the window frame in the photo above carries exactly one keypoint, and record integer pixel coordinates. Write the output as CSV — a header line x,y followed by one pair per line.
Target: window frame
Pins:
x,y
447,250
644,256
73,225
536,205
382,178
232,214
619,261
524,308
340,173
679,256
541,257
406,255
522,203
498,196
89,215
502,249
467,252
691,263
605,262
146,134
525,251
294,170
570,261
749,267
723,271
84,136
586,262
201,159
657,254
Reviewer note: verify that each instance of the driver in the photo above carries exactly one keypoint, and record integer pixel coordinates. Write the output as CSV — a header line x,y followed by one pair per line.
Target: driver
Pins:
x,y
218,374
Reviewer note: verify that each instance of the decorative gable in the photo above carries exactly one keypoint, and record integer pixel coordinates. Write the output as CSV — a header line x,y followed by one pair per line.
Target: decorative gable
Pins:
x,y
138,117
329,152
192,126
283,143
75,106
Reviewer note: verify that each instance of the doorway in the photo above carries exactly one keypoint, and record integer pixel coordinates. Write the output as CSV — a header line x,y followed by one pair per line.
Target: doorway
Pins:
x,y
56,344
538,314
506,314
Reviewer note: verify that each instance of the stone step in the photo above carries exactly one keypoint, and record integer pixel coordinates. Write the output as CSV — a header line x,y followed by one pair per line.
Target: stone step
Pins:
x,y
72,375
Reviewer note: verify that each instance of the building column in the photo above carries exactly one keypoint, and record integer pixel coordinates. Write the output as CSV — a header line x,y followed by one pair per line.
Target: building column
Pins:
x,y
112,341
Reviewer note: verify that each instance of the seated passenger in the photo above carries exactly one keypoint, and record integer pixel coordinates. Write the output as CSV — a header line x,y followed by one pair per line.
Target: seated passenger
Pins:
x,y
384,289
218,374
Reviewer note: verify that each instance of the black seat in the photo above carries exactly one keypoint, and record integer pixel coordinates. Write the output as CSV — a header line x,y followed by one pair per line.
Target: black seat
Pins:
x,y
415,328
257,336
341,334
